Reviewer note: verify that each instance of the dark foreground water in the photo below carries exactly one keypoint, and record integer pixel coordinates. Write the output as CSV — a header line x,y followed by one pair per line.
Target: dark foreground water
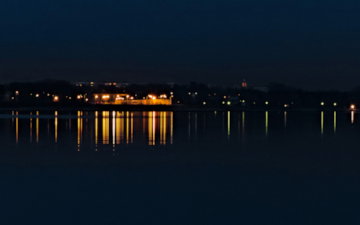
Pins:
x,y
179,168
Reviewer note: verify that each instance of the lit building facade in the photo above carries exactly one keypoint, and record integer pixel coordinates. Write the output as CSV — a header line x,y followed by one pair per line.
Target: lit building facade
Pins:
x,y
126,99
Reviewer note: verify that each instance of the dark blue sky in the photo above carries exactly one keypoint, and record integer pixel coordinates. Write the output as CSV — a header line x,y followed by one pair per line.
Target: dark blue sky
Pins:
x,y
312,44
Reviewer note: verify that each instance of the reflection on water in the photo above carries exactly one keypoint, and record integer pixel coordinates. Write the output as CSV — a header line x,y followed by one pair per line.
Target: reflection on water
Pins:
x,y
37,122
31,127
243,122
228,123
79,128
335,121
96,125
105,127
266,122
352,117
97,129
56,122
322,122
151,128
17,127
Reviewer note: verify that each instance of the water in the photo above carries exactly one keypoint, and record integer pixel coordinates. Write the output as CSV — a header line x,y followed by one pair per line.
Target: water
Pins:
x,y
116,131
106,167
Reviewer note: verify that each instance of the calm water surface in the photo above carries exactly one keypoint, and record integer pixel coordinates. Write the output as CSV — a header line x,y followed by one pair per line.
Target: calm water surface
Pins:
x,y
113,167
117,131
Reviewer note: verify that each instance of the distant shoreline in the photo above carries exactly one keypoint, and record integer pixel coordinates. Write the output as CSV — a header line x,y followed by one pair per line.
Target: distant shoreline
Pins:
x,y
175,108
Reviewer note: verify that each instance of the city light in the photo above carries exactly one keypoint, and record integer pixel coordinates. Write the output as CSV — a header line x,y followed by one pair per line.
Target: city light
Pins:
x,y
352,107
335,104
56,98
119,98
322,103
151,97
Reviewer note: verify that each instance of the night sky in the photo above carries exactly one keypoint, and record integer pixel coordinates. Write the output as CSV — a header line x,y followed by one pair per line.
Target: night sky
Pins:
x,y
305,43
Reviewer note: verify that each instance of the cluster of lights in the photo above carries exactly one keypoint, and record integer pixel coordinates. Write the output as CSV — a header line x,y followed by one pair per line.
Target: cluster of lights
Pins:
x,y
335,104
111,84
152,97
55,98
105,97
118,98
195,93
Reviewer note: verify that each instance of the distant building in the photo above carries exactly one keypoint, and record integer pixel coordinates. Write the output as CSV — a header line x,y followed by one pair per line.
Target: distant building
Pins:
x,y
244,84
126,99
